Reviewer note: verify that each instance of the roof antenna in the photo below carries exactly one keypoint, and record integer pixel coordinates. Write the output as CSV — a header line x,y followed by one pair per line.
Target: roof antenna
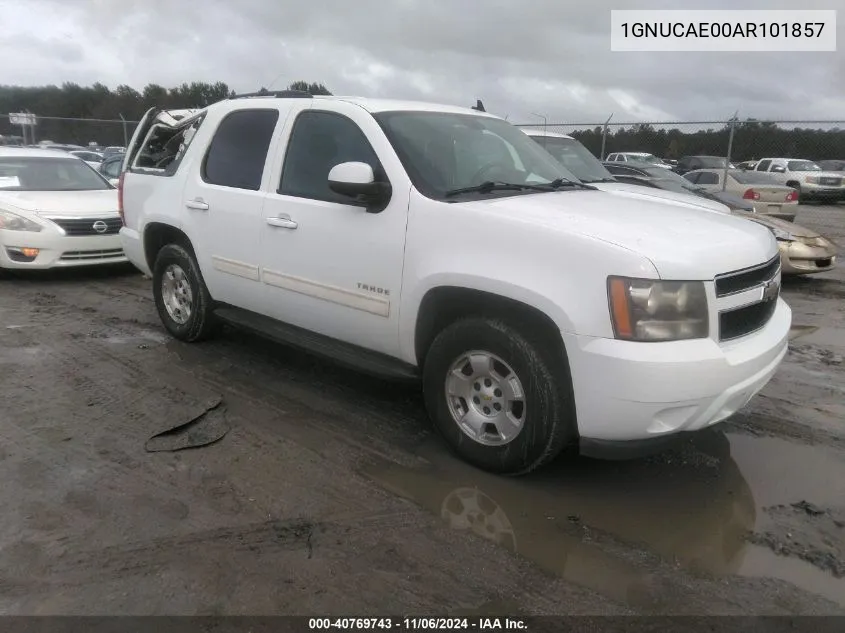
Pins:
x,y
479,106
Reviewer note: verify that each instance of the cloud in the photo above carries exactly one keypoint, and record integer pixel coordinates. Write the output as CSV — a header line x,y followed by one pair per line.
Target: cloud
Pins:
x,y
545,57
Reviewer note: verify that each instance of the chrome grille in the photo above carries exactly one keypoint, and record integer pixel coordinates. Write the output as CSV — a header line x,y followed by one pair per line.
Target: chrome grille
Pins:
x,y
747,278
89,226
761,285
830,181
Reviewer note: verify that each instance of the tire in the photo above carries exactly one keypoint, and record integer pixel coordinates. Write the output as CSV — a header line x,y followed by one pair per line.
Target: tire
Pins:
x,y
179,265
547,414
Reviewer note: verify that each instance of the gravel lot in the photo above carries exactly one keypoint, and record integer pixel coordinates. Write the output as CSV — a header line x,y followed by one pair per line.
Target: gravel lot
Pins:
x,y
330,495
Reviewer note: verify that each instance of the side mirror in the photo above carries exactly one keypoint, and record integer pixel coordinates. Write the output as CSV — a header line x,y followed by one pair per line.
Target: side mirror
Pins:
x,y
358,181
114,181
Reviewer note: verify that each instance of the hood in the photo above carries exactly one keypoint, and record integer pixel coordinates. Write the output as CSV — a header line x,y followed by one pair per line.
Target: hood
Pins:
x,y
776,223
81,204
639,192
682,243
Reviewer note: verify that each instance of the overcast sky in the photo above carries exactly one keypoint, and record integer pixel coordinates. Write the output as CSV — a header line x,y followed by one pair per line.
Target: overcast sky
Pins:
x,y
549,57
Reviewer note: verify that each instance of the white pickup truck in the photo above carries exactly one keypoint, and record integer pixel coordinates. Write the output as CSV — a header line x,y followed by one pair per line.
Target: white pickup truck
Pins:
x,y
440,243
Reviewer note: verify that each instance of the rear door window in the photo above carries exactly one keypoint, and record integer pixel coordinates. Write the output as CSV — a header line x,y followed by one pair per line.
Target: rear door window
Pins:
x,y
238,151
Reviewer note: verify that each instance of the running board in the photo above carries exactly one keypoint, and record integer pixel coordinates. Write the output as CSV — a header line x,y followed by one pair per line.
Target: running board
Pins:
x,y
346,354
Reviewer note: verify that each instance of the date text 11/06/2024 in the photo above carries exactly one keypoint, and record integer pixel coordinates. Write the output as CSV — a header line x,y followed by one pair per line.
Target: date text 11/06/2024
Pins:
x,y
418,624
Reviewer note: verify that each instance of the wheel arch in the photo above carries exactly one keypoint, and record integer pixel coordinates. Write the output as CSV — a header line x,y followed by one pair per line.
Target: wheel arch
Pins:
x,y
158,235
444,304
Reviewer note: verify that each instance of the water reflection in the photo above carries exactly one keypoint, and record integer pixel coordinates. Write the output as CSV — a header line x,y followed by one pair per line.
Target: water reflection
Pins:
x,y
580,518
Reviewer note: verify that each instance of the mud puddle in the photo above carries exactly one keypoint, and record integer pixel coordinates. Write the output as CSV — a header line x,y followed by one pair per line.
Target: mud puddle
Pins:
x,y
709,508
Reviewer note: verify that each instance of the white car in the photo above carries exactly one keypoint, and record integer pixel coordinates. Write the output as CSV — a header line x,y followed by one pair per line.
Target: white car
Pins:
x,y
55,211
572,154
638,157
805,176
437,243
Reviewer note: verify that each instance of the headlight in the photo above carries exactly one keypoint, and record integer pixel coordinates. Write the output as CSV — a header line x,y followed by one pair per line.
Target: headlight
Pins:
x,y
13,222
781,235
812,179
649,310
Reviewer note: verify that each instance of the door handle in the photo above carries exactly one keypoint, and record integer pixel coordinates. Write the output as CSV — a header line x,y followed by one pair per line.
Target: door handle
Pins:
x,y
197,204
283,222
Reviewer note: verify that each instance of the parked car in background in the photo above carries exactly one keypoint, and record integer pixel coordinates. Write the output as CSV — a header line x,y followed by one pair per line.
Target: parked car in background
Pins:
x,y
688,163
109,151
616,307
808,178
110,168
766,194
55,211
802,250
644,174
835,166
639,157
572,154
92,158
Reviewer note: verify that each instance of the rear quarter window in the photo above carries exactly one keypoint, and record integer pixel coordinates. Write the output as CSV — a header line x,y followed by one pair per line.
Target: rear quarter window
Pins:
x,y
238,152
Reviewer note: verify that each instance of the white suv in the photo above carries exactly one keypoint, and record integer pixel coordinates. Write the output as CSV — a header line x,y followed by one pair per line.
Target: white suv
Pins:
x,y
441,243
810,180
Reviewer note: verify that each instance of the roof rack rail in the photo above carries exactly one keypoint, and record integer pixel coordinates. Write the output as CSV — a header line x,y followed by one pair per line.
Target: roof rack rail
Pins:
x,y
278,94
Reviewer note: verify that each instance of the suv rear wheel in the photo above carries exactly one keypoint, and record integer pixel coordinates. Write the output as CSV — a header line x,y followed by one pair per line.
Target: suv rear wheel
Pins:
x,y
494,397
181,297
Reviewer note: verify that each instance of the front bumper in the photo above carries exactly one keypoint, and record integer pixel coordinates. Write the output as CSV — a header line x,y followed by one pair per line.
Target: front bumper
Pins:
x,y
798,258
59,251
633,392
811,190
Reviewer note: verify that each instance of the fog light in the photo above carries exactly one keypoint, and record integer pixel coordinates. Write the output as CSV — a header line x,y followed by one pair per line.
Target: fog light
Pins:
x,y
22,254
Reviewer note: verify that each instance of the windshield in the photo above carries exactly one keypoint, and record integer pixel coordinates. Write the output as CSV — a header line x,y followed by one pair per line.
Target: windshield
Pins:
x,y
444,152
711,162
27,173
802,165
576,158
647,158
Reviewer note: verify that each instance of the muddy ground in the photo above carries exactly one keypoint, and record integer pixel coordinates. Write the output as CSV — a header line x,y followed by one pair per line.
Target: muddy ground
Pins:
x,y
330,495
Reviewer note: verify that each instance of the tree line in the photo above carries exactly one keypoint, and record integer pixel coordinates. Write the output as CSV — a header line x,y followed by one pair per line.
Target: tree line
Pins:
x,y
752,140
73,101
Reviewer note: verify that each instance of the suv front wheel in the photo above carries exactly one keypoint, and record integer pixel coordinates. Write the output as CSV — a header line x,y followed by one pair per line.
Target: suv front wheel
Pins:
x,y
495,398
181,297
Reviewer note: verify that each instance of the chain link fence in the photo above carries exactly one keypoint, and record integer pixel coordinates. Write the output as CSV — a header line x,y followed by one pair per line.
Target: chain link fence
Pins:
x,y
66,130
752,140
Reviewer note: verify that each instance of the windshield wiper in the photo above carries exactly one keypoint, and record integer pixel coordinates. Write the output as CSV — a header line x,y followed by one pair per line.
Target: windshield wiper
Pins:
x,y
560,183
599,180
489,185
